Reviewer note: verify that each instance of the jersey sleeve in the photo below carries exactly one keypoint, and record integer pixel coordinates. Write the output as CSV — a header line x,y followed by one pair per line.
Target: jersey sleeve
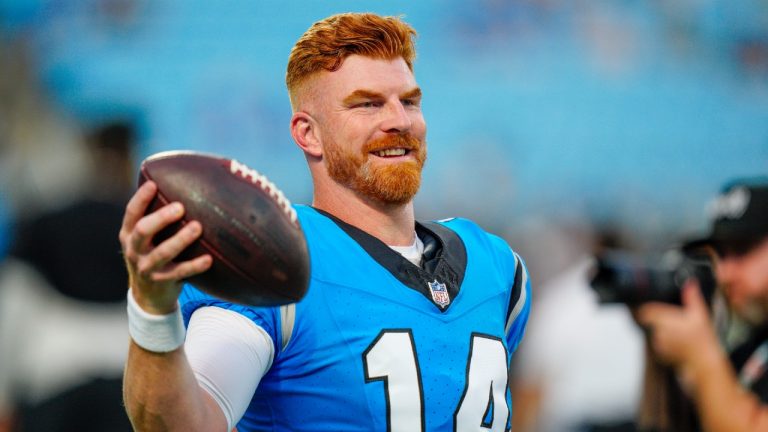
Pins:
x,y
519,304
513,272
268,318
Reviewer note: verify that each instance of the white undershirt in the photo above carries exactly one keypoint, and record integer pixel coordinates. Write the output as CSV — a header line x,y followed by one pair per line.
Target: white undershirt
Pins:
x,y
229,353
412,253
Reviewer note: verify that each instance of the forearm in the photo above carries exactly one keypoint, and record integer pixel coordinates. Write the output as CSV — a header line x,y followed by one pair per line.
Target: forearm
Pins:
x,y
160,390
723,404
162,394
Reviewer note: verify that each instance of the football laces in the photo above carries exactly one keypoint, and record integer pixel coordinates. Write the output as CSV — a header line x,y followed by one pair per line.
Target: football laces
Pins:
x,y
267,186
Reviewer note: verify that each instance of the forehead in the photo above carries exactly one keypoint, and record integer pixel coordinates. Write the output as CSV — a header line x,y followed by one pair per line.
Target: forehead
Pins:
x,y
365,73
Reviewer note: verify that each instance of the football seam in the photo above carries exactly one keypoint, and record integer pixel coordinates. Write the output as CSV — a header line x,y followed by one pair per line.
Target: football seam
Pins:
x,y
244,172
208,247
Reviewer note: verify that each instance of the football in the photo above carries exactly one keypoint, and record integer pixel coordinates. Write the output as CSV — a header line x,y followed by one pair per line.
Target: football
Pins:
x,y
250,229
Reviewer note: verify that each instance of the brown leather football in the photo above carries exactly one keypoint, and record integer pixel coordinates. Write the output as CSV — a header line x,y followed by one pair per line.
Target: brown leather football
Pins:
x,y
259,252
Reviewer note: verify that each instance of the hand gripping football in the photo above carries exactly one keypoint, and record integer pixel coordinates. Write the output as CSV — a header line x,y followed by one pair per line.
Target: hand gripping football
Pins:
x,y
259,251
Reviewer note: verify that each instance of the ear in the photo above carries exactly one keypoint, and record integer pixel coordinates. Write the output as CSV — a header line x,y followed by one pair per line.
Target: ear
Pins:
x,y
305,131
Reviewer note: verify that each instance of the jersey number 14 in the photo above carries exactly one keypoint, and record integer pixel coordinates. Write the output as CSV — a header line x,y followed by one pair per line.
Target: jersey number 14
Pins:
x,y
391,358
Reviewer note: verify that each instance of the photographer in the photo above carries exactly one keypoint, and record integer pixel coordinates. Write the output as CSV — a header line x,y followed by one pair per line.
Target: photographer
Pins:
x,y
730,394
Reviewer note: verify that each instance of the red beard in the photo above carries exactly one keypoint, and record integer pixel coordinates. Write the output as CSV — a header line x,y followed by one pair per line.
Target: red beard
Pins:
x,y
394,183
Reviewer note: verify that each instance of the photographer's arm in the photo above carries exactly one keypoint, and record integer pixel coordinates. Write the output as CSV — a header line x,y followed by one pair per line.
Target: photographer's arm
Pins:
x,y
723,404
685,338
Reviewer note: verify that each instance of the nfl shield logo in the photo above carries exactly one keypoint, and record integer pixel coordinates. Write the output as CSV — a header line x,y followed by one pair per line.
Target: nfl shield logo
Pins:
x,y
439,293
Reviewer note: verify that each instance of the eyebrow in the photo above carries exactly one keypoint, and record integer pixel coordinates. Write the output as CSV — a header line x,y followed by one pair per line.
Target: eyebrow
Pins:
x,y
415,93
368,94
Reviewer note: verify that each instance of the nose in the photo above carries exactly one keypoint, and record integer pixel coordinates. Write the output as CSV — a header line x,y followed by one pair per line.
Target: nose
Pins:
x,y
396,118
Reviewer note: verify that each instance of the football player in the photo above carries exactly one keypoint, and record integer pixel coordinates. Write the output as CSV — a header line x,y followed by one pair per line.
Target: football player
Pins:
x,y
407,326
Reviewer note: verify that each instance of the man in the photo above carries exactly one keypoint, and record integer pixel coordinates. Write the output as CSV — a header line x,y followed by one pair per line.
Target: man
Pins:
x,y
729,396
406,326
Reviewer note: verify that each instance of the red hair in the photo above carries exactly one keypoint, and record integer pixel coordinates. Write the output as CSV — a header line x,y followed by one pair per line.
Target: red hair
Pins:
x,y
326,44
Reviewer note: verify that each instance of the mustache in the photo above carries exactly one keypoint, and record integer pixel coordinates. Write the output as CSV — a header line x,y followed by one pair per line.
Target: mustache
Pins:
x,y
404,141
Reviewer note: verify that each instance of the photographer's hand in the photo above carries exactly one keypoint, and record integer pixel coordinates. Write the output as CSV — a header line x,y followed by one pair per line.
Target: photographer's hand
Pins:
x,y
681,336
685,338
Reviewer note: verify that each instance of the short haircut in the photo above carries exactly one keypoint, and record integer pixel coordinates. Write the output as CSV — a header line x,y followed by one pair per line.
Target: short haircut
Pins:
x,y
326,44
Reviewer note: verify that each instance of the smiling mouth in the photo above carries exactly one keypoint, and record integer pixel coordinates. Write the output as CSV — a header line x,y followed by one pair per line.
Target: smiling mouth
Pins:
x,y
393,152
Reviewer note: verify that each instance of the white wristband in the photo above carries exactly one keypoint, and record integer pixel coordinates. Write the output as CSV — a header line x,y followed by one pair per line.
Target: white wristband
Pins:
x,y
156,333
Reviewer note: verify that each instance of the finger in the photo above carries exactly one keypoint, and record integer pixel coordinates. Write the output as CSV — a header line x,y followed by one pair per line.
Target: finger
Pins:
x,y
169,249
650,313
184,270
692,296
149,225
137,205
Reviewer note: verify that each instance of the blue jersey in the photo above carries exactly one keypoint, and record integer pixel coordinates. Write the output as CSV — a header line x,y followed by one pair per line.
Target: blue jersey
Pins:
x,y
379,344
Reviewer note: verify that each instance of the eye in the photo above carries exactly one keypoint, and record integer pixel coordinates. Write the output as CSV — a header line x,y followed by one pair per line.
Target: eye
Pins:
x,y
368,104
410,102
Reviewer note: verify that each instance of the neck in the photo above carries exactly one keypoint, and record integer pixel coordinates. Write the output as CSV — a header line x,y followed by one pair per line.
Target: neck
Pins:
x,y
393,224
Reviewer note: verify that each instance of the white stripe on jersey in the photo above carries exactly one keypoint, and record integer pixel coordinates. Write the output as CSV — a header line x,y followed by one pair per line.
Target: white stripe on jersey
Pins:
x,y
523,294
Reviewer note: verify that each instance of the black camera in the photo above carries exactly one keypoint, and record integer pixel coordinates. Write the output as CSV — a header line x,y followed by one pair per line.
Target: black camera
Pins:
x,y
620,277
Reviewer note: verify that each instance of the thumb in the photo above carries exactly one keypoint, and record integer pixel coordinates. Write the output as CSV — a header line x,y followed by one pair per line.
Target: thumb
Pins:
x,y
692,296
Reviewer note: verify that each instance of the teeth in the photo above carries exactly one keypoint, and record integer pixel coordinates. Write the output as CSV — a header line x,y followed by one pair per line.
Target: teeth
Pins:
x,y
390,152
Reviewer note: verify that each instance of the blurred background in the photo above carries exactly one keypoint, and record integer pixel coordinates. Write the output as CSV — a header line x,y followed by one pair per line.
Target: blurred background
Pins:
x,y
559,124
